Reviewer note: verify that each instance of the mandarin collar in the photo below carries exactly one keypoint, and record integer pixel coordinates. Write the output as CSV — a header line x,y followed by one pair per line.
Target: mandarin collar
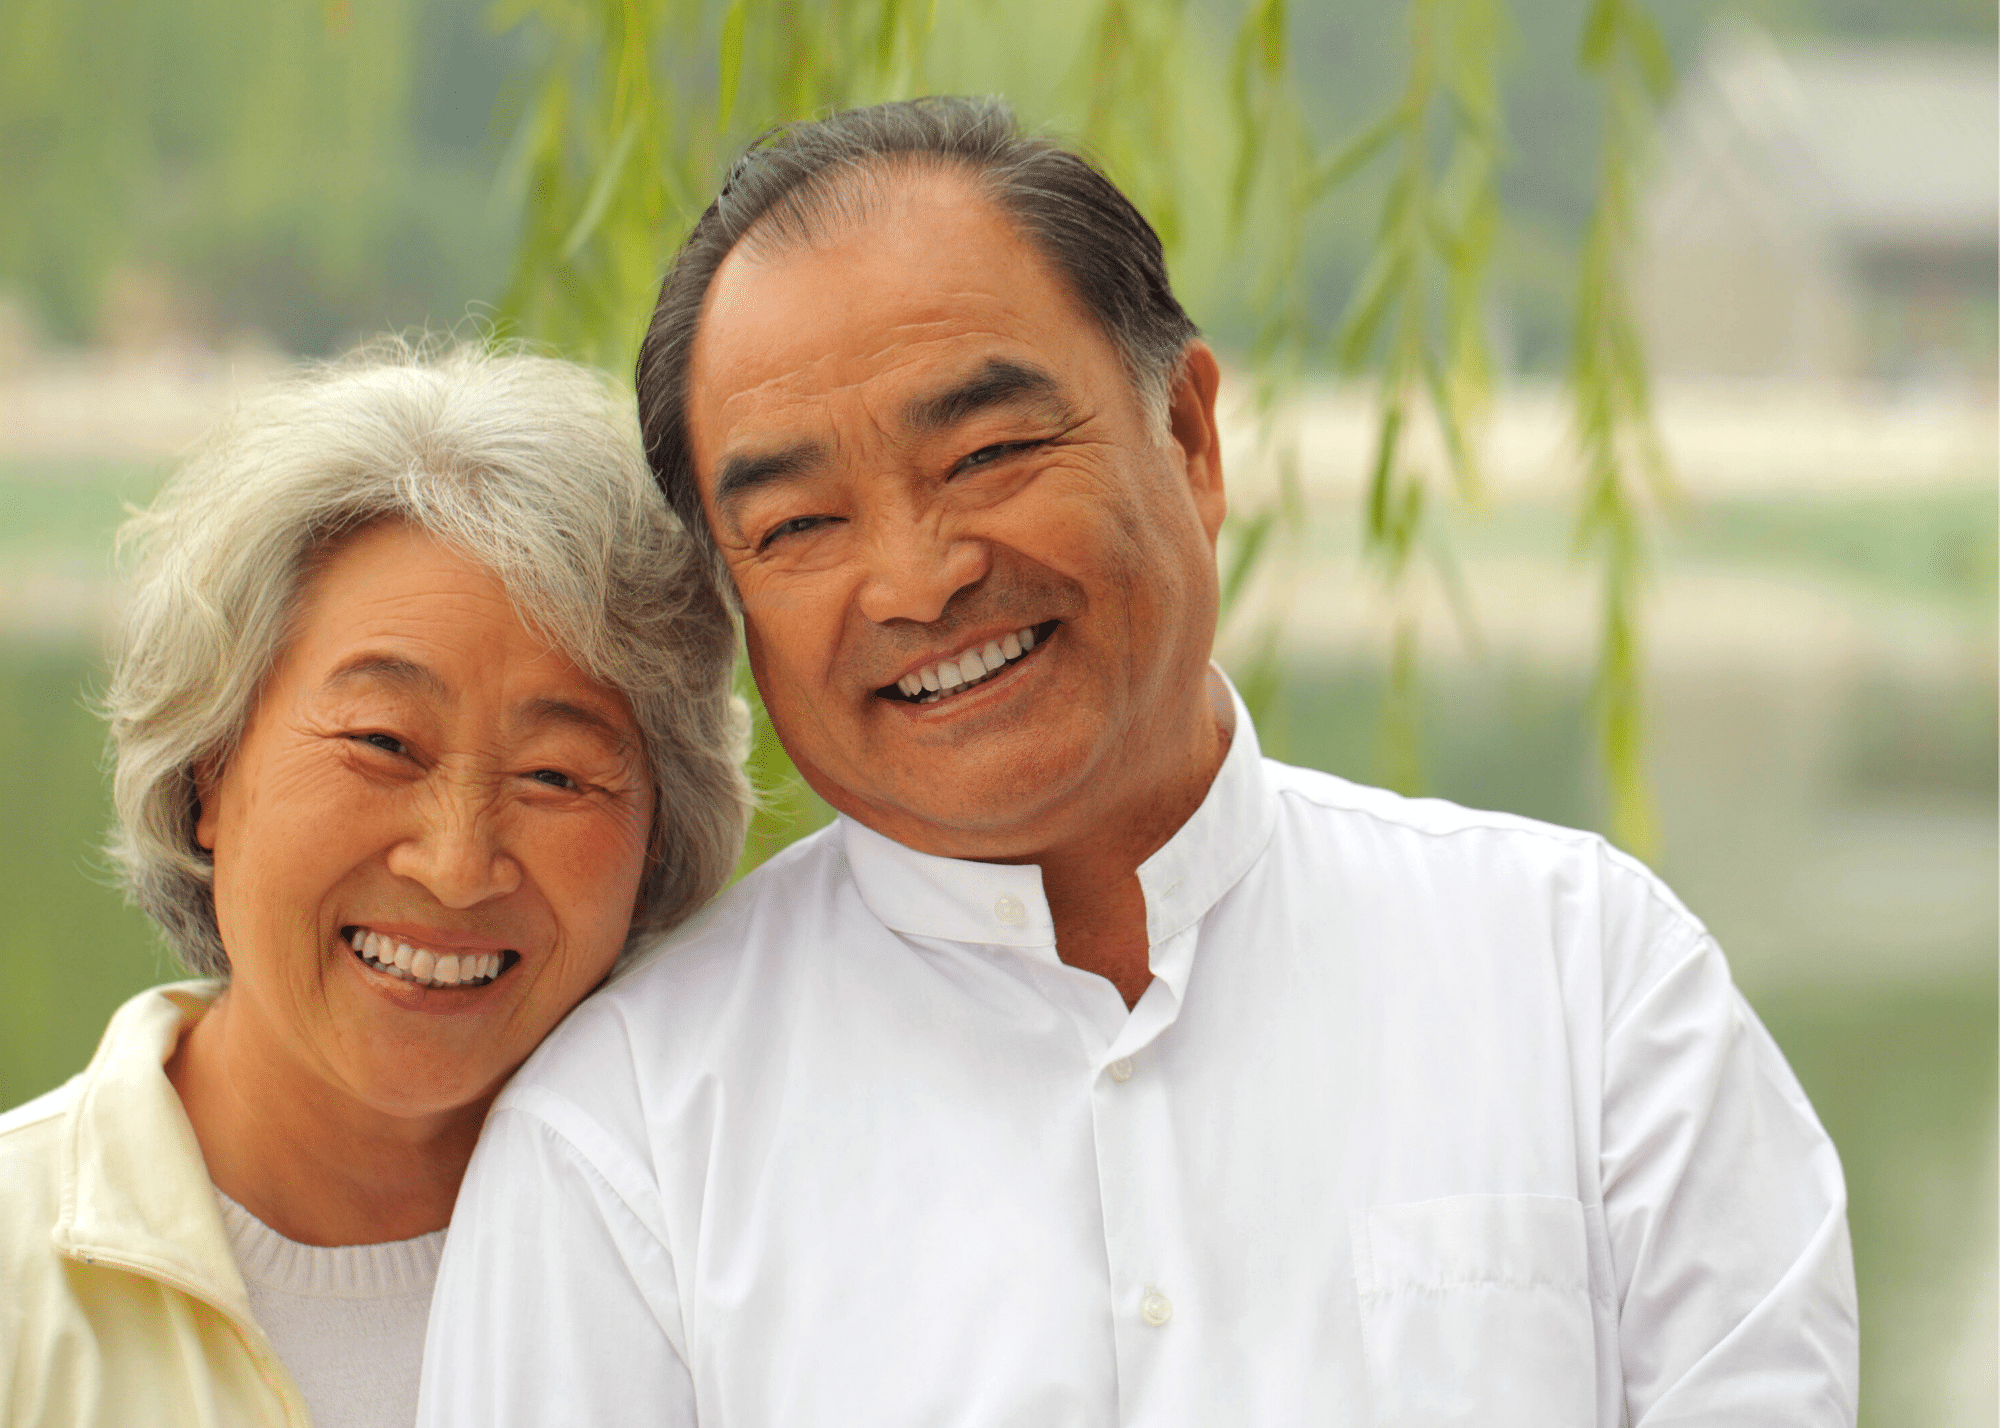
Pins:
x,y
1002,904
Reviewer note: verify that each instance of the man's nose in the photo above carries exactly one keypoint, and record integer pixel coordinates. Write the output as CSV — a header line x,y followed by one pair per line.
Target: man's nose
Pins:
x,y
914,568
455,850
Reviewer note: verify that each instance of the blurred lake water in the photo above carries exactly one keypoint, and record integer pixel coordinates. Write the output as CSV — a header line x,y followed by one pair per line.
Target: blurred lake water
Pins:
x,y
1823,721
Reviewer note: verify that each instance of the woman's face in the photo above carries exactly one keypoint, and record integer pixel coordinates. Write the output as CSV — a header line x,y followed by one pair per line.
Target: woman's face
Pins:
x,y
421,771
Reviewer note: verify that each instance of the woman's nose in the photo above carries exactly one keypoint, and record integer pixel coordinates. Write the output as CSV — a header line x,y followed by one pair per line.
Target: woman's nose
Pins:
x,y
914,569
456,853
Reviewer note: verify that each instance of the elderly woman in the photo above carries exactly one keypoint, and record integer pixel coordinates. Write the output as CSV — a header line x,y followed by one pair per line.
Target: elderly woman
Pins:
x,y
422,721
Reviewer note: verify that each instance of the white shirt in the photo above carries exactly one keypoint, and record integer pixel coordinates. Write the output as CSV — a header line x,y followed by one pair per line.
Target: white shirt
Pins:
x,y
1427,1117
347,1320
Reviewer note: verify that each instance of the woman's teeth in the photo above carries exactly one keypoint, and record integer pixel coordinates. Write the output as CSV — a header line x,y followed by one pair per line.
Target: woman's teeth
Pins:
x,y
955,676
424,967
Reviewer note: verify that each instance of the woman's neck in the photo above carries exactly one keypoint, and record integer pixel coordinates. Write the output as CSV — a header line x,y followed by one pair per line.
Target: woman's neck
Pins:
x,y
312,1162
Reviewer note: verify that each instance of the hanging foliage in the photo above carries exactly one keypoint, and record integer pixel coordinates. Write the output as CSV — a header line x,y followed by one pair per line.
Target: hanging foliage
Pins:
x,y
641,103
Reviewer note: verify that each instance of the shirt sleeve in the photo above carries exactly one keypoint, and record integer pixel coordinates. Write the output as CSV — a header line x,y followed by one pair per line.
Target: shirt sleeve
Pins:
x,y
1726,1210
556,1300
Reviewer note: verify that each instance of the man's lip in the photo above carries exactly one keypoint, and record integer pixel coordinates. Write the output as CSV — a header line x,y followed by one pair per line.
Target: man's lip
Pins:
x,y
437,939
995,686
961,645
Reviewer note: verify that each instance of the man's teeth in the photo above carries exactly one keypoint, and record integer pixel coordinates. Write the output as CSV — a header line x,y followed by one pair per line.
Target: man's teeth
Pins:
x,y
954,676
423,966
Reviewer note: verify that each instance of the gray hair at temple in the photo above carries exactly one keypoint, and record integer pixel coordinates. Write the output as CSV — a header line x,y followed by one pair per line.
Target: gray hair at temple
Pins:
x,y
801,179
528,465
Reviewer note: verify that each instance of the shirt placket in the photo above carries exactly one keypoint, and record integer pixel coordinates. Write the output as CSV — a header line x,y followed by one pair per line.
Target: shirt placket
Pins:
x,y
1154,1310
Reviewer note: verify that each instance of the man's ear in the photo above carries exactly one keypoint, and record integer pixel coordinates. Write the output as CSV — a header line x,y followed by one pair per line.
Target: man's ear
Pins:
x,y
1191,422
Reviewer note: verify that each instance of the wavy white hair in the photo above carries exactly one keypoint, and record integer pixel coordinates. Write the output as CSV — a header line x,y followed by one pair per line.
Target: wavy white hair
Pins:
x,y
528,465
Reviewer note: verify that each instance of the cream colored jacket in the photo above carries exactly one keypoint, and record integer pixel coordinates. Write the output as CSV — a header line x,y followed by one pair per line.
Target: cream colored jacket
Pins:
x,y
120,1302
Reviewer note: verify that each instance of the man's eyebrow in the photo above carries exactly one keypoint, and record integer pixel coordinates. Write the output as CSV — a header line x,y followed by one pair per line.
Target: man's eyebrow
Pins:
x,y
997,383
577,716
742,473
390,669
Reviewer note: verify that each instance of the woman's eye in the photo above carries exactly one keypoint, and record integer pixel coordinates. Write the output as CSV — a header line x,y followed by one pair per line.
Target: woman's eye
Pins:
x,y
553,778
385,742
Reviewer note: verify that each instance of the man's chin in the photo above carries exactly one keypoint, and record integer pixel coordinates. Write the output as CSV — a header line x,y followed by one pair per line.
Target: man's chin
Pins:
x,y
998,799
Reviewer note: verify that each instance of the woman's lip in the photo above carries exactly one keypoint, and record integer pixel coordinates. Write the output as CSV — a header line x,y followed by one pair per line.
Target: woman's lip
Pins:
x,y
437,939
432,1001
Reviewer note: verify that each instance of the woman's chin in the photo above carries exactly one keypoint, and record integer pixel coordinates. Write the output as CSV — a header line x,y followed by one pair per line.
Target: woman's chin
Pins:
x,y
420,1083
425,1050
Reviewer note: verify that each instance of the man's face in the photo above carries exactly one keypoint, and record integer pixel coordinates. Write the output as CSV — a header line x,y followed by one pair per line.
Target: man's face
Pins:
x,y
915,446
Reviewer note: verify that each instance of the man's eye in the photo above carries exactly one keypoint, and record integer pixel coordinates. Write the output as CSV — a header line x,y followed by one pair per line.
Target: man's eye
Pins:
x,y
987,455
797,525
553,778
385,742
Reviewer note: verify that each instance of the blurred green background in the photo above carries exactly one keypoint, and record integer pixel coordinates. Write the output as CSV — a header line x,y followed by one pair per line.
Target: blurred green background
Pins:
x,y
199,193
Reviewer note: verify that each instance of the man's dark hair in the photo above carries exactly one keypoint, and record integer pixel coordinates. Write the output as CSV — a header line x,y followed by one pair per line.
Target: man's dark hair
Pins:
x,y
799,179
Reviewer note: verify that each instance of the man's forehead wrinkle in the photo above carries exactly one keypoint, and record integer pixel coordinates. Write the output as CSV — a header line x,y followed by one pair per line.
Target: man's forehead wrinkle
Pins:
x,y
809,384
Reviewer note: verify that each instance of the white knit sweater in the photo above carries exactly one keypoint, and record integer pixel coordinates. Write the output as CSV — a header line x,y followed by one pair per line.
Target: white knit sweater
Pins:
x,y
348,1321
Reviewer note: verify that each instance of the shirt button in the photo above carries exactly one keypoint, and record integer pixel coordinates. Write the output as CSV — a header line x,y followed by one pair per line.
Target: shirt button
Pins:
x,y
1010,911
1121,1069
1156,1308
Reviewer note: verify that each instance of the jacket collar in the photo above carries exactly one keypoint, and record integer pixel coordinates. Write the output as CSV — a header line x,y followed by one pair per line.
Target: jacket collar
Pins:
x,y
135,1190
1001,904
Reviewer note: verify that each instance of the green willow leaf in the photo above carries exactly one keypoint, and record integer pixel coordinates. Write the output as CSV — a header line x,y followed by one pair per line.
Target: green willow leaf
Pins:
x,y
600,192
729,63
1352,157
1379,285
1649,49
1243,559
1271,32
1380,487
1600,34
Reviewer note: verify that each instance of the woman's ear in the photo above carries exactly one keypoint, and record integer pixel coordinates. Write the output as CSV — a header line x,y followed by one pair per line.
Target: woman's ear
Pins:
x,y
206,777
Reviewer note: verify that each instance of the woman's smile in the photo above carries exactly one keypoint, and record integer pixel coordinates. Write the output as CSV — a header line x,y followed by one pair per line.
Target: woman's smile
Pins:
x,y
420,963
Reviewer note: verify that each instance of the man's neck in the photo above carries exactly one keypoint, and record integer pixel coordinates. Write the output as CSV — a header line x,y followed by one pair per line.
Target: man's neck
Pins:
x,y
1090,841
312,1163
1092,884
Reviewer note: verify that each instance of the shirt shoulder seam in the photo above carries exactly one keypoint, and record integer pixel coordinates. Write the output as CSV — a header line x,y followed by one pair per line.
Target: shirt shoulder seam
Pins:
x,y
560,1118
1474,822
1694,941
540,1103
1678,917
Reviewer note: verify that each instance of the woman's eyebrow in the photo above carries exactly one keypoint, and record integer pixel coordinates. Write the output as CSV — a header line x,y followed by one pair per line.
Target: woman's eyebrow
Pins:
x,y
389,669
576,716
999,382
409,674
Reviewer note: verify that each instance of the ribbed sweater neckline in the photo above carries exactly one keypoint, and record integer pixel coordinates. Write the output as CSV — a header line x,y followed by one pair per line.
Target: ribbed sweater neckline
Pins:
x,y
271,1261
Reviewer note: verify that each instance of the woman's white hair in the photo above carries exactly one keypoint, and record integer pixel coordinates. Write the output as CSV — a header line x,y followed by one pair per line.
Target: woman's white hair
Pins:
x,y
528,465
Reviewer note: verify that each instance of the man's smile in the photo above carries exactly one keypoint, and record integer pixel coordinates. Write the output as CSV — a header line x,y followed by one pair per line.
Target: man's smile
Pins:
x,y
955,674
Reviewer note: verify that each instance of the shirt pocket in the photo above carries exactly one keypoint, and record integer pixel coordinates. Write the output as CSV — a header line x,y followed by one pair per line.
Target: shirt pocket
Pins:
x,y
1475,1310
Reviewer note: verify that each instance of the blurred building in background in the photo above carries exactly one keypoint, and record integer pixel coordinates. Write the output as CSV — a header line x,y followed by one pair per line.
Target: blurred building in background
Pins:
x,y
1826,211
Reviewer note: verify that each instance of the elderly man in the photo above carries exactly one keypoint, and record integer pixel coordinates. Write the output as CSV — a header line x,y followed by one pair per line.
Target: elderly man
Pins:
x,y
1093,1069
